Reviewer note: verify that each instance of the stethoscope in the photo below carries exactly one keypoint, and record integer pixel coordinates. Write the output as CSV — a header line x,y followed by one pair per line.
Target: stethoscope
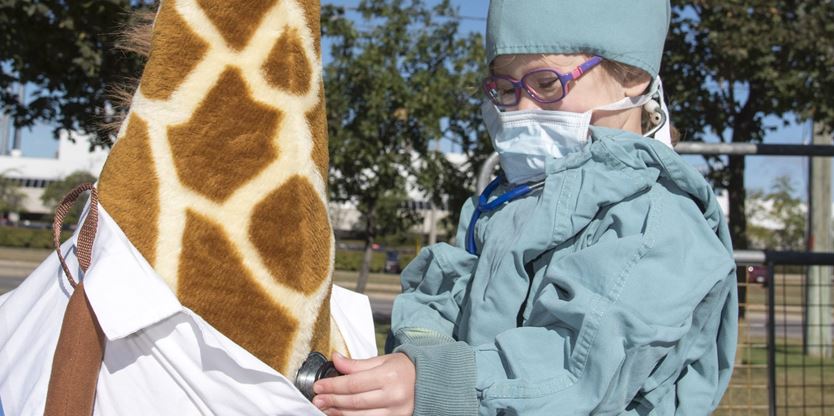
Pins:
x,y
485,205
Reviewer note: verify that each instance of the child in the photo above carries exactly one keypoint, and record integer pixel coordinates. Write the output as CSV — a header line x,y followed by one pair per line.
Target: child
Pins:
x,y
595,274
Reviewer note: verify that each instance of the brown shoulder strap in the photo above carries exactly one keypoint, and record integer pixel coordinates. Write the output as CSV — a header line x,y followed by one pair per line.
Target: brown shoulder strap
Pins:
x,y
80,349
86,236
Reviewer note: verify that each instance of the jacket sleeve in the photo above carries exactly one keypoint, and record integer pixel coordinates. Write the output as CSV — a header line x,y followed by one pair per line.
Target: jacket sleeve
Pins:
x,y
628,323
433,285
423,321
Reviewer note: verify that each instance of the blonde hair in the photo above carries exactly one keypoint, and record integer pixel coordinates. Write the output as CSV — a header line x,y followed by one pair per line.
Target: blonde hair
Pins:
x,y
629,75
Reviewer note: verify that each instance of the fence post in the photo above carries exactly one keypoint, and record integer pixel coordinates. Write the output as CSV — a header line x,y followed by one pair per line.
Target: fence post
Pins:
x,y
817,333
771,340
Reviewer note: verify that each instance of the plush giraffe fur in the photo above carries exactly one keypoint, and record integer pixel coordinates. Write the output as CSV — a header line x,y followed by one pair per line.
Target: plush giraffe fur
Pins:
x,y
218,176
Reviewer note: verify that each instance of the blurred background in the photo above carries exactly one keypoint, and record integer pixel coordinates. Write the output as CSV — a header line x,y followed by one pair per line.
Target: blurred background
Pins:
x,y
749,85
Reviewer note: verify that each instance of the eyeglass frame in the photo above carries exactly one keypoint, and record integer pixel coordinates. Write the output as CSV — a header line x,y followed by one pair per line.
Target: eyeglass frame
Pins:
x,y
518,85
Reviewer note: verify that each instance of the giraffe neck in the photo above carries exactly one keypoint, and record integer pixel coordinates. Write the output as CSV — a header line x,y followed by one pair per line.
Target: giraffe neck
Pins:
x,y
218,176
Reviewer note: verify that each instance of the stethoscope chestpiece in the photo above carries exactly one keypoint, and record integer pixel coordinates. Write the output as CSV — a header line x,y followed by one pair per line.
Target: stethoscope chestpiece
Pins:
x,y
314,368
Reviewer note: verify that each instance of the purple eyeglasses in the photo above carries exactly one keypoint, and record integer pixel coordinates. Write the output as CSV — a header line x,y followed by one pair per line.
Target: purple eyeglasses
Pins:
x,y
541,84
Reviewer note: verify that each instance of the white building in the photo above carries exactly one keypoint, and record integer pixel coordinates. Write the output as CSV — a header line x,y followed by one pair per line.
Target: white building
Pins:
x,y
345,216
33,174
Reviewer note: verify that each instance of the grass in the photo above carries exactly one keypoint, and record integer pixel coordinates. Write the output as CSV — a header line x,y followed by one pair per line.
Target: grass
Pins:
x,y
384,281
381,336
345,257
37,238
804,384
33,255
790,292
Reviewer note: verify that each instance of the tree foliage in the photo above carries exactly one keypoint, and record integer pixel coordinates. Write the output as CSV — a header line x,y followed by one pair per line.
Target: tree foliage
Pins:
x,y
11,198
730,64
400,80
777,217
64,52
55,192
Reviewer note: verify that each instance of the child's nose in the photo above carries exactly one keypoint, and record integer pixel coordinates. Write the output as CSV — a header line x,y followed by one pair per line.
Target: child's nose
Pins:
x,y
528,103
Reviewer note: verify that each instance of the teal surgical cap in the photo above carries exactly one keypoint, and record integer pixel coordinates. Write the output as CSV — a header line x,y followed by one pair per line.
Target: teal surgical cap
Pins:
x,y
627,31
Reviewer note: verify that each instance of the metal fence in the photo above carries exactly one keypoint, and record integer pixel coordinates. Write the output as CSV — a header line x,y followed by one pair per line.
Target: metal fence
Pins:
x,y
783,362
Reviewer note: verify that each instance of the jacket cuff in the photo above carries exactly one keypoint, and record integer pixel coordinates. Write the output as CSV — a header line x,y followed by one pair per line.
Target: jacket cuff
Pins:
x,y
445,382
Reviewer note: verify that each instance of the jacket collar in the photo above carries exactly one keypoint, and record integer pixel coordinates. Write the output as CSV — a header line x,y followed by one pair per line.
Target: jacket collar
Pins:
x,y
614,167
125,292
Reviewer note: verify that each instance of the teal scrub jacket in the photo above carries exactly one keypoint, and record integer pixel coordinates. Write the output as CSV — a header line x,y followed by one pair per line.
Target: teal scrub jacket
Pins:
x,y
611,291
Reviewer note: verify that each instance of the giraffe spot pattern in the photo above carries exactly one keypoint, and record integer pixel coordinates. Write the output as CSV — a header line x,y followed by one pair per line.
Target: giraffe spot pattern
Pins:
x,y
317,120
129,188
287,66
214,283
312,13
290,229
215,152
236,20
321,329
175,51
227,141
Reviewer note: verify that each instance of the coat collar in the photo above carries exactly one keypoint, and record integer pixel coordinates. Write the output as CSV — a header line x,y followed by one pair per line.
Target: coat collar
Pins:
x,y
614,167
125,292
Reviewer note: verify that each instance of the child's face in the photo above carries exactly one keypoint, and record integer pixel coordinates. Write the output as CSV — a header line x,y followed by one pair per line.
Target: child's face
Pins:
x,y
593,89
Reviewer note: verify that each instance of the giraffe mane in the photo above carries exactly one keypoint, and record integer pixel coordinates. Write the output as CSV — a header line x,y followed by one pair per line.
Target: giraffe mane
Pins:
x,y
133,38
135,34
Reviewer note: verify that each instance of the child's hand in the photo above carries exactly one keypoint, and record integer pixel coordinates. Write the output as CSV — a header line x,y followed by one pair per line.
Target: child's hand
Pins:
x,y
377,386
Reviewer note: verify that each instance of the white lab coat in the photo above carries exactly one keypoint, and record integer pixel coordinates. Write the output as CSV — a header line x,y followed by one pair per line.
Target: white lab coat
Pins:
x,y
160,357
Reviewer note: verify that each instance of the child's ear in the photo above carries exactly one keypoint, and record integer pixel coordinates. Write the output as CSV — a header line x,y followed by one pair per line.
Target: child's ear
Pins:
x,y
637,86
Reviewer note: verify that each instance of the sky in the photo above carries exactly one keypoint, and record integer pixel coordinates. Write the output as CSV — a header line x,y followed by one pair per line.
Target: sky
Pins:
x,y
760,170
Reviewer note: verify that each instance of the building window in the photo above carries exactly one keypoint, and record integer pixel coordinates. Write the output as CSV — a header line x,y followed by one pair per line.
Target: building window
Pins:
x,y
30,182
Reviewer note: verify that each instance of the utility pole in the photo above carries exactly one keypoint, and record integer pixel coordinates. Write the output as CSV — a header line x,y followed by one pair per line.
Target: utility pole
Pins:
x,y
433,209
432,224
21,96
818,283
4,133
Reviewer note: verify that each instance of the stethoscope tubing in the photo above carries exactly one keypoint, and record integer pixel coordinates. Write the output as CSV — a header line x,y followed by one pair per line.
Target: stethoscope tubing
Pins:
x,y
485,205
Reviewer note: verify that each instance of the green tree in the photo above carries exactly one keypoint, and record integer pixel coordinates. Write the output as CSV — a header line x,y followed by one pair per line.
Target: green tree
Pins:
x,y
777,218
400,80
65,51
730,64
11,198
55,192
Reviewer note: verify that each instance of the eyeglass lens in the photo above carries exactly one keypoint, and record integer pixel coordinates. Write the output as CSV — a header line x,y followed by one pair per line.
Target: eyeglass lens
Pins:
x,y
543,85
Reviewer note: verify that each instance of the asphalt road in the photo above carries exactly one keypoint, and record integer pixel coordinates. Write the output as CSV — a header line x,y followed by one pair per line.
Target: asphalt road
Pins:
x,y
381,307
13,272
787,326
8,283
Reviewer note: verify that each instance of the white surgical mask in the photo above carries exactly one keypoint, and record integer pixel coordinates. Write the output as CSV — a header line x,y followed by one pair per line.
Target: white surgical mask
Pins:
x,y
524,139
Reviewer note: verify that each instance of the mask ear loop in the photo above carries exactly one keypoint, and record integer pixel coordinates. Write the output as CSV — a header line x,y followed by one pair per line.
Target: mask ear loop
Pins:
x,y
657,116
